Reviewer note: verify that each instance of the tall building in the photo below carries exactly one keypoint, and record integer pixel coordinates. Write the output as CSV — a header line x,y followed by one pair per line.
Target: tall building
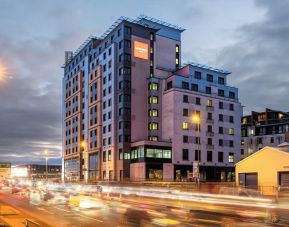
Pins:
x,y
261,129
122,97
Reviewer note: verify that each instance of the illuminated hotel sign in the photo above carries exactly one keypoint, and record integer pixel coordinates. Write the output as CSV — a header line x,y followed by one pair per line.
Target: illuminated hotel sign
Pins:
x,y
140,50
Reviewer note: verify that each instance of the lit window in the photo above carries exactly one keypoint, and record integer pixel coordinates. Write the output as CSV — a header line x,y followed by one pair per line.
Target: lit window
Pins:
x,y
177,61
152,63
231,131
210,102
167,154
153,138
153,113
231,158
154,86
153,126
185,125
153,100
151,50
177,48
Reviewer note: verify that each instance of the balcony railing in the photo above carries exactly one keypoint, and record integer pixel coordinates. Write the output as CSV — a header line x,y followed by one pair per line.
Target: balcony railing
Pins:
x,y
211,121
210,147
209,133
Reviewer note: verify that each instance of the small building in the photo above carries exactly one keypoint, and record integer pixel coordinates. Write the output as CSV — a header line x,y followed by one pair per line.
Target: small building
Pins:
x,y
5,170
266,170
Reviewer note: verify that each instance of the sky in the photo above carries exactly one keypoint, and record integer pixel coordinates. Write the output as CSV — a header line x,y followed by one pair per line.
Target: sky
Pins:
x,y
248,38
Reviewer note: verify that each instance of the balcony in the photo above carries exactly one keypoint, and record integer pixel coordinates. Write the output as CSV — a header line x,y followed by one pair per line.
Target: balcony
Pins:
x,y
210,134
210,108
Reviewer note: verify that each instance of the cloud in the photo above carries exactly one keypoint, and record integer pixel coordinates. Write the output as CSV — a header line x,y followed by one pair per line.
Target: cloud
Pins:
x,y
259,59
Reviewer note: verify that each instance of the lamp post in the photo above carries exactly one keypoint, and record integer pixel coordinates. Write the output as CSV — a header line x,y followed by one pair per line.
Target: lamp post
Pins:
x,y
196,118
46,159
85,158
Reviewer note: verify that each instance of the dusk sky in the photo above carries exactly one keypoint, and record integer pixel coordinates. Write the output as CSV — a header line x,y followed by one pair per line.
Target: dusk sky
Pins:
x,y
248,38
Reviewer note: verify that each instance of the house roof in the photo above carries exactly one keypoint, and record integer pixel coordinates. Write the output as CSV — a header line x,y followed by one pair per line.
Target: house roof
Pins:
x,y
262,150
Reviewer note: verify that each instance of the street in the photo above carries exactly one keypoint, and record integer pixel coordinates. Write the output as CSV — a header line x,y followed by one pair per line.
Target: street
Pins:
x,y
132,208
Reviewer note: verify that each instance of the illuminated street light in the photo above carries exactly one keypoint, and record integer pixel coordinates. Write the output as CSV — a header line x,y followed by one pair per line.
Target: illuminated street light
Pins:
x,y
196,168
3,72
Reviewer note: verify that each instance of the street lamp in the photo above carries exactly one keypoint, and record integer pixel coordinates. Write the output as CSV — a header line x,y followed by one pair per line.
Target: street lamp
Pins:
x,y
46,159
83,144
196,168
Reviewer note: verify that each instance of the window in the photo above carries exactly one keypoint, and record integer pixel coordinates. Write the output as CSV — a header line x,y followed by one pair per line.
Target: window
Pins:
x,y
231,107
185,139
185,99
177,48
221,105
210,78
232,95
221,92
210,116
109,51
185,154
185,112
120,154
221,117
231,131
104,156
231,143
153,113
272,140
185,85
242,151
209,156
210,128
220,142
127,44
221,130
153,138
221,80
120,45
154,86
231,119
195,87
127,30
185,125
198,75
118,32
208,90
220,156
197,155
210,103
198,101
231,158
153,126
109,155
210,141
153,99
169,85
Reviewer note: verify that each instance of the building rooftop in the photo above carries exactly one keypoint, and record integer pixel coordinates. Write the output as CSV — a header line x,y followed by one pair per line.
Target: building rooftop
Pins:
x,y
207,67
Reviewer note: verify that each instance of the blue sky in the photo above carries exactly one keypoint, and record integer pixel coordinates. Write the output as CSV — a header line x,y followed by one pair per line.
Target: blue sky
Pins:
x,y
249,38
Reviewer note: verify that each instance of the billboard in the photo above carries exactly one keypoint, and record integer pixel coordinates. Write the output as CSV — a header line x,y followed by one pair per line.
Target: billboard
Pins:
x,y
141,50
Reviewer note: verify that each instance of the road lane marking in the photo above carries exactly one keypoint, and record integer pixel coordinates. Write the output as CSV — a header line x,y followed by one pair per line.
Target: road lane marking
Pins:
x,y
80,215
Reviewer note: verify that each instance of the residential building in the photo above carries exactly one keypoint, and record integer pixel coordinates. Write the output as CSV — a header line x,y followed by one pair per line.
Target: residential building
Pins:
x,y
260,129
121,92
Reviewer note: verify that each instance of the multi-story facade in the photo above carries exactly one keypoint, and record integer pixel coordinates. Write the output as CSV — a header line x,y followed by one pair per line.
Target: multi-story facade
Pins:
x,y
119,105
261,129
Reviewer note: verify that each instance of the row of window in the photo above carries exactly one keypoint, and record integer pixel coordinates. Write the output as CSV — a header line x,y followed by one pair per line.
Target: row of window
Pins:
x,y
186,156
197,140
209,78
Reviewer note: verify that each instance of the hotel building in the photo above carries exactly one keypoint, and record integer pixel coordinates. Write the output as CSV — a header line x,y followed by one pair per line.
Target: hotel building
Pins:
x,y
128,108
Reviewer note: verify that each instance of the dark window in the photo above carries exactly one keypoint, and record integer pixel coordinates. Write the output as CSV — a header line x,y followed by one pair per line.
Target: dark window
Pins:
x,y
197,155
169,85
210,141
209,156
210,116
221,80
185,139
220,156
208,90
242,151
198,101
221,92
210,128
231,95
221,130
195,87
221,117
231,119
221,105
185,154
185,85
104,156
220,142
210,78
231,106
231,143
198,75
272,140
127,30
185,112
185,99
